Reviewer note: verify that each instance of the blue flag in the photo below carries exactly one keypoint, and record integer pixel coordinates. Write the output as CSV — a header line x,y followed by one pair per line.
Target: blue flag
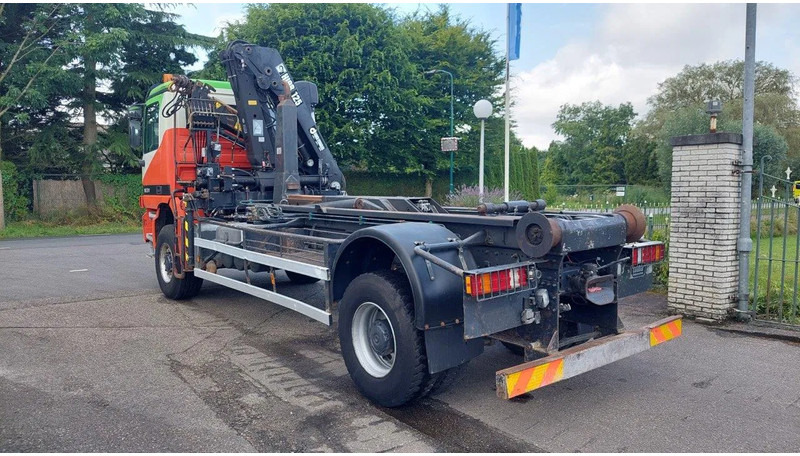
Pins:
x,y
514,16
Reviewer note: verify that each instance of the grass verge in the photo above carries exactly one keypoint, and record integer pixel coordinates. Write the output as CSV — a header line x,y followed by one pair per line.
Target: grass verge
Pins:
x,y
776,295
38,228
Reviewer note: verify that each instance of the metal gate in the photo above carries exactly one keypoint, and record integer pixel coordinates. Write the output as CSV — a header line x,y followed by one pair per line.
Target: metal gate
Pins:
x,y
776,263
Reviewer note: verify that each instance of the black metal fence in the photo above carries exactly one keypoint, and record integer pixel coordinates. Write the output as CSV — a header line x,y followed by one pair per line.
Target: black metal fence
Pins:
x,y
775,264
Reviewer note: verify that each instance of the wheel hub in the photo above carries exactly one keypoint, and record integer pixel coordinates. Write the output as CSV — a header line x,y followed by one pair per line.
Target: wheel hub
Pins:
x,y
168,262
373,339
165,263
380,338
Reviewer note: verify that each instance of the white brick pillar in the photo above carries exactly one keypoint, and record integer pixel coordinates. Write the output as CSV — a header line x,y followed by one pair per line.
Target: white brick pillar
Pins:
x,y
704,224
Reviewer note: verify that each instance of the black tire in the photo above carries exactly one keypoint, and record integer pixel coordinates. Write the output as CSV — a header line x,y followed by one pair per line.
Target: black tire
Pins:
x,y
406,377
171,286
300,279
442,381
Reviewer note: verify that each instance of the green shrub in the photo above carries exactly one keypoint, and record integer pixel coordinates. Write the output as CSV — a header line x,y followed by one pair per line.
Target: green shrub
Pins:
x,y
774,227
15,203
661,270
123,204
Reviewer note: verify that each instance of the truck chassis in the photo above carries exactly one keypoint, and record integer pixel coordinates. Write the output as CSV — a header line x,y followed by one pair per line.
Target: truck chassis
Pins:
x,y
419,288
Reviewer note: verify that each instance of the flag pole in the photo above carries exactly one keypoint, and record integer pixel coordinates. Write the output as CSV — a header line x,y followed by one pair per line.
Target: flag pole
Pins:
x,y
506,156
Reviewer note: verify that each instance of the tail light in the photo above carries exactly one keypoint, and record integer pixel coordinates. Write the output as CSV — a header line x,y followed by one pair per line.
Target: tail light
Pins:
x,y
496,282
652,253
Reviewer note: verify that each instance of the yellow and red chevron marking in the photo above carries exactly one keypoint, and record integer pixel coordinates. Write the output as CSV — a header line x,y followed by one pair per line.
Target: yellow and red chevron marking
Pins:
x,y
535,377
665,332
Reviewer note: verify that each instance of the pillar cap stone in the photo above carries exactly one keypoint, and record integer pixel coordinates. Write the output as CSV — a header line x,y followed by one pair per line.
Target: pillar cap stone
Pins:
x,y
708,138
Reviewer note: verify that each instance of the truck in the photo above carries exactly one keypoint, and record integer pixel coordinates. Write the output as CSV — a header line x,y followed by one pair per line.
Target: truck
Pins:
x,y
238,180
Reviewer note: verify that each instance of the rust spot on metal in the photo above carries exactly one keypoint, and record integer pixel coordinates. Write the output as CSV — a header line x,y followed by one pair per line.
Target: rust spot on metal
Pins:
x,y
635,221
556,229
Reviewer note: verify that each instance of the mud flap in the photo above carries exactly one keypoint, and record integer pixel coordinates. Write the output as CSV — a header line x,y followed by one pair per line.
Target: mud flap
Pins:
x,y
446,348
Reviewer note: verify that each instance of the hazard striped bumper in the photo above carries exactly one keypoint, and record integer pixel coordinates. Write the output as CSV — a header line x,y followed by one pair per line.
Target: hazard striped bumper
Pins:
x,y
526,377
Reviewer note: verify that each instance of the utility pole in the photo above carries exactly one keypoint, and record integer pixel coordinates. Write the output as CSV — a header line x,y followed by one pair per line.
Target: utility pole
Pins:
x,y
482,110
745,243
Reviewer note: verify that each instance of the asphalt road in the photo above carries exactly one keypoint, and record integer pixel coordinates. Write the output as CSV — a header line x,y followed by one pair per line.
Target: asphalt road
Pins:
x,y
94,358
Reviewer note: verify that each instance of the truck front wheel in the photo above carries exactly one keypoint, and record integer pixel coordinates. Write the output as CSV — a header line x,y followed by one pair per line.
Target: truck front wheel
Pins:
x,y
171,286
382,349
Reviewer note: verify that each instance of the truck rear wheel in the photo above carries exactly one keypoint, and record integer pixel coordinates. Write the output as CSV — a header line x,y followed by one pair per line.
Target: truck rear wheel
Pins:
x,y
383,351
171,286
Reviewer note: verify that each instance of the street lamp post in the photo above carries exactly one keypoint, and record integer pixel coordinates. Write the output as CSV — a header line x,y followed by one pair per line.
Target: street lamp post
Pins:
x,y
451,120
482,110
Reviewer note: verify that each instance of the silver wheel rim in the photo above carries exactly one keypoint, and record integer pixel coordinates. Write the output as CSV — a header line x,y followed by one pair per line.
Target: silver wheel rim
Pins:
x,y
165,263
370,330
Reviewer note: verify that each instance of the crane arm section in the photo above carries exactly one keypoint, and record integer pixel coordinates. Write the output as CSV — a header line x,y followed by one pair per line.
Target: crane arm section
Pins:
x,y
260,81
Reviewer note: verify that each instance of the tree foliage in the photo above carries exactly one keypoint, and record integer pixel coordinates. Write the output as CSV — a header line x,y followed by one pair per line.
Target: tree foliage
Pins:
x,y
31,44
694,121
65,66
678,108
68,68
378,110
720,80
593,148
436,40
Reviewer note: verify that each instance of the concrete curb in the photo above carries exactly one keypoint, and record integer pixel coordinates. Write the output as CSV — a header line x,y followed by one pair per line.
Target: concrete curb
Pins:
x,y
762,330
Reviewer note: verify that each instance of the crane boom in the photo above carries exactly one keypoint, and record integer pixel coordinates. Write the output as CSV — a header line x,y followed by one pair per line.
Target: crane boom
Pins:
x,y
260,80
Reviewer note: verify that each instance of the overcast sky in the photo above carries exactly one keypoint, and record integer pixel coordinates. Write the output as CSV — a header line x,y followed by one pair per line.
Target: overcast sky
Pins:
x,y
572,53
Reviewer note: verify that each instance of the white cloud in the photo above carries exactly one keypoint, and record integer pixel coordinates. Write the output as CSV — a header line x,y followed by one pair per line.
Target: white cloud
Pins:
x,y
208,20
222,21
633,49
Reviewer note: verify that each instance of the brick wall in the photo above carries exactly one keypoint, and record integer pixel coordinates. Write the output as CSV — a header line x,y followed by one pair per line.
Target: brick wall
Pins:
x,y
704,226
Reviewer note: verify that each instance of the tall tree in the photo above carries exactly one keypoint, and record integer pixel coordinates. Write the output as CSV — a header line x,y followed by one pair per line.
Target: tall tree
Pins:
x,y
640,161
378,109
592,151
437,40
357,58
720,80
32,45
118,45
678,109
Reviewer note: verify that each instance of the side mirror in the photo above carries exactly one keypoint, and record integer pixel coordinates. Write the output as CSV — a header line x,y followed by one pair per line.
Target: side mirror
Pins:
x,y
135,126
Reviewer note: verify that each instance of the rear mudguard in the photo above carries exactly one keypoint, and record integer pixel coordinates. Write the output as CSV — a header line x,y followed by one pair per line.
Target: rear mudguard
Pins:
x,y
437,293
